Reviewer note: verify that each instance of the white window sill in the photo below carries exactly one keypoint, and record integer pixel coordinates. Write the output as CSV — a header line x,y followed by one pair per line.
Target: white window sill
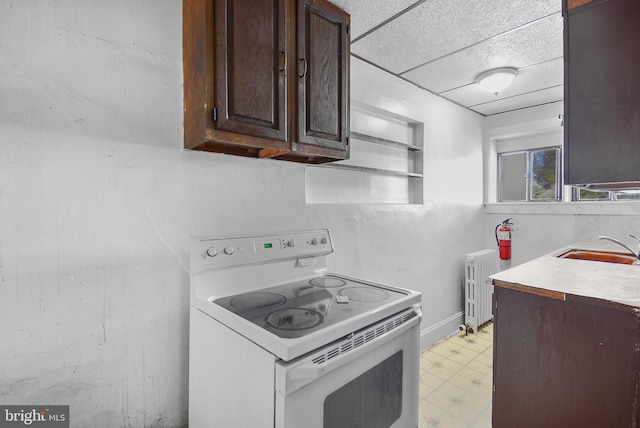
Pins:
x,y
565,208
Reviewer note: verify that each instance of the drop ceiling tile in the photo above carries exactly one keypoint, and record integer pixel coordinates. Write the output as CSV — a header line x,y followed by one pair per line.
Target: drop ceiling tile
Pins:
x,y
537,77
437,27
542,39
545,96
367,14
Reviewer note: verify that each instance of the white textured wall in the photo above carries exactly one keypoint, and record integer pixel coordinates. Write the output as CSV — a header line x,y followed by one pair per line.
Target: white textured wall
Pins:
x,y
98,200
542,233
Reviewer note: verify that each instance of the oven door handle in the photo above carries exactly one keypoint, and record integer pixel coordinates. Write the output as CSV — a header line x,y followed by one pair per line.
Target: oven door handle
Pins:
x,y
306,371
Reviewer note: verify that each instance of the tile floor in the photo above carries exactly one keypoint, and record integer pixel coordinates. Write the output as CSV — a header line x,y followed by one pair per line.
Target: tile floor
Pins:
x,y
455,381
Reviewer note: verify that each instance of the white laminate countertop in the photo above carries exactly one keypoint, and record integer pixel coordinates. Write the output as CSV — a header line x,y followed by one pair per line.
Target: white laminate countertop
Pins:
x,y
607,281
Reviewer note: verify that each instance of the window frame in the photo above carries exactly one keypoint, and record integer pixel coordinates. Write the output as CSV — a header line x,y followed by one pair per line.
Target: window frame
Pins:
x,y
528,179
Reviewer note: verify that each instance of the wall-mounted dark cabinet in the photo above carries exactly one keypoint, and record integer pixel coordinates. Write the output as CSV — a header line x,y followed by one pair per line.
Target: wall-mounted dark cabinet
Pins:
x,y
602,92
267,78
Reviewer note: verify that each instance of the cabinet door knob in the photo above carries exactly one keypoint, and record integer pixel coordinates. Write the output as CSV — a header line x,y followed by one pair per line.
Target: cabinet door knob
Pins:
x,y
284,61
304,69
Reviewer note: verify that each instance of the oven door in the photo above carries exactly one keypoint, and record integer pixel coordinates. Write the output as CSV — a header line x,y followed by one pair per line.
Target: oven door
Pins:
x,y
367,380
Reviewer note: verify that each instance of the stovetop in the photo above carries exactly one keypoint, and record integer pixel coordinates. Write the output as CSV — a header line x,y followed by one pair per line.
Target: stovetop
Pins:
x,y
296,309
276,291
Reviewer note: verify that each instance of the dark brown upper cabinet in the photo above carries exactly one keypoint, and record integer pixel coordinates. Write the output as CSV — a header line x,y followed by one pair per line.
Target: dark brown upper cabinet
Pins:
x,y
267,78
602,93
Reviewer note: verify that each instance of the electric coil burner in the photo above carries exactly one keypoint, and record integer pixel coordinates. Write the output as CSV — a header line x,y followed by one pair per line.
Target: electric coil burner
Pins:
x,y
271,327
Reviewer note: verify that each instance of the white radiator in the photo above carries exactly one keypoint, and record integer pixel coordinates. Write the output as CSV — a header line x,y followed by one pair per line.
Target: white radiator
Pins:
x,y
478,288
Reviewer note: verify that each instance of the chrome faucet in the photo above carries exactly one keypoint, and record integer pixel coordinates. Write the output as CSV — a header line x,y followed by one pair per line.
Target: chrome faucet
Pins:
x,y
636,254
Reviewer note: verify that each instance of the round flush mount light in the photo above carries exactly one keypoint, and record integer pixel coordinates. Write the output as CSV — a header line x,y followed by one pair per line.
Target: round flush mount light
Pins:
x,y
496,80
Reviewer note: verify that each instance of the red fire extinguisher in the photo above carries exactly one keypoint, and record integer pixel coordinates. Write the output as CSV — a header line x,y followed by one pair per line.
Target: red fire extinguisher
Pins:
x,y
503,238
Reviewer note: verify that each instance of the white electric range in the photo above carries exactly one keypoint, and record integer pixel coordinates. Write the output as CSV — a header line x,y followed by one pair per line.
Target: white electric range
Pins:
x,y
278,341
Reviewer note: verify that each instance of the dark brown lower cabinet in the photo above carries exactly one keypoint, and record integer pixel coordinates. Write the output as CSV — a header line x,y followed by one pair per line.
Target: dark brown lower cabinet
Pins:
x,y
562,360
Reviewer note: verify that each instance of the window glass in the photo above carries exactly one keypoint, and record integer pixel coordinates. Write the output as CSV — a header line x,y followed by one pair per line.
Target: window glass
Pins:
x,y
544,171
513,176
627,195
581,194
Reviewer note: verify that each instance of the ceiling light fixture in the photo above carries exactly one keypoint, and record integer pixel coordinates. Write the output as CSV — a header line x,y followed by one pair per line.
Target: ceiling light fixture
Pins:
x,y
496,80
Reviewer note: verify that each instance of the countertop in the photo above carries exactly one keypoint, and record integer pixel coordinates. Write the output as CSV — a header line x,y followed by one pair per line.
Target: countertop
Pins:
x,y
555,277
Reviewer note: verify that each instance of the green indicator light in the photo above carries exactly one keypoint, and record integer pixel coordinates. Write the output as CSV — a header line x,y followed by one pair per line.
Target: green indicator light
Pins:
x,y
268,245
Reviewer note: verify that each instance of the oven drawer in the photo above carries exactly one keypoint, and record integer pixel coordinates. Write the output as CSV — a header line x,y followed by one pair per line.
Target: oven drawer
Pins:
x,y
368,380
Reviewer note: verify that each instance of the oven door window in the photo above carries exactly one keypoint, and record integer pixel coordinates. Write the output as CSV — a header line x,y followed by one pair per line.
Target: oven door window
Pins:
x,y
372,400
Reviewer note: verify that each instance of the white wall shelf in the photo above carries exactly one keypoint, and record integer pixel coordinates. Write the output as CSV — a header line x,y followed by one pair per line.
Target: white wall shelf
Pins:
x,y
385,167
370,170
384,141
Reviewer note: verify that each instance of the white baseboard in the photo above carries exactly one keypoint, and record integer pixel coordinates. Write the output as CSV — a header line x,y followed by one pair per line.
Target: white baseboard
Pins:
x,y
441,330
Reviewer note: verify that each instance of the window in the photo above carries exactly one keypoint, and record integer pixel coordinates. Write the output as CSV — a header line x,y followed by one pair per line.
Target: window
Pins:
x,y
530,175
580,194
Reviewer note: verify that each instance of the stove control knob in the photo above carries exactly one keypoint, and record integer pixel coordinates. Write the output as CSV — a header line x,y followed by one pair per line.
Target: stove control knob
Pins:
x,y
291,243
314,241
212,252
323,240
228,250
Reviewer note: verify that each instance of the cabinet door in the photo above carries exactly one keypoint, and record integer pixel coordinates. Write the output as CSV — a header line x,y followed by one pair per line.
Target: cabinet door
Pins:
x,y
563,363
602,89
323,70
249,64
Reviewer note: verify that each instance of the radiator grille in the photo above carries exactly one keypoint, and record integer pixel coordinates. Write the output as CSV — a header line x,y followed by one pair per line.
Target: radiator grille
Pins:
x,y
478,288
362,337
